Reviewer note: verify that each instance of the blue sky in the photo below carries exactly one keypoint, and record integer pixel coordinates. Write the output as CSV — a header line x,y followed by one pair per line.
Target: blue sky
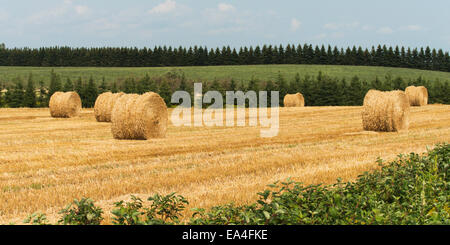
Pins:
x,y
139,23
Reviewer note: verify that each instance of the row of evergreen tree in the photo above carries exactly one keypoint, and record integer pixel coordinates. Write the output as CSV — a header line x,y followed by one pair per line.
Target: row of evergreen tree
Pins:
x,y
320,90
419,58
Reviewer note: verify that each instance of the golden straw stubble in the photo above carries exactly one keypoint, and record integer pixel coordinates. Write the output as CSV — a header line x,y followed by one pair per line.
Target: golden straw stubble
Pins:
x,y
104,105
65,105
418,96
139,117
386,111
294,100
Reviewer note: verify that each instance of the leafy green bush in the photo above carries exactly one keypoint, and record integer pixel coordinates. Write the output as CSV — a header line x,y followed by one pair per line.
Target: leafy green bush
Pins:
x,y
163,210
412,190
129,213
81,212
37,219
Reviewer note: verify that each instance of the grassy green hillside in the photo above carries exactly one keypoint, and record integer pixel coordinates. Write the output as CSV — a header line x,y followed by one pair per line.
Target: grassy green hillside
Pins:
x,y
263,72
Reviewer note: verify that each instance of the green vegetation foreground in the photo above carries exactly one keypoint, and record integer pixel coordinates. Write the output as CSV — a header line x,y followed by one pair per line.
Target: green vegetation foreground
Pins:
x,y
412,190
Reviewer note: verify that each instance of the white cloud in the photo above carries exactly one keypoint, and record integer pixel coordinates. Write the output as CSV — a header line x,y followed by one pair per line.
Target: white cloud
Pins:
x,y
81,10
223,19
272,12
227,30
164,7
337,35
366,28
225,7
102,24
354,24
385,30
336,26
331,26
414,28
59,13
3,15
447,38
320,36
47,15
295,24
217,16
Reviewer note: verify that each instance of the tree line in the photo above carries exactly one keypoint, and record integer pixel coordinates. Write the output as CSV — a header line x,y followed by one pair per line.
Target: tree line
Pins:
x,y
382,55
320,90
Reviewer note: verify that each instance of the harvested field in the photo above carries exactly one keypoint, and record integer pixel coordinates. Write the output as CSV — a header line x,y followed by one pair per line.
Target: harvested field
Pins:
x,y
47,162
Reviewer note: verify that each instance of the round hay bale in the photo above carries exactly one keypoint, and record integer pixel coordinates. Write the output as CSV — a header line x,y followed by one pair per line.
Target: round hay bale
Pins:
x,y
139,117
418,96
65,105
104,105
385,111
294,100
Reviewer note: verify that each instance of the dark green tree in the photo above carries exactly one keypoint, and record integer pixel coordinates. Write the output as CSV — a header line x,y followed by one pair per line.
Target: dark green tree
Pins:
x,y
377,84
341,95
356,92
30,93
152,86
68,86
103,86
270,86
327,92
90,94
215,86
42,100
8,97
17,96
129,86
165,92
306,90
79,86
282,87
55,83
398,84
183,83
2,100
388,83
294,86
232,86
253,85
114,88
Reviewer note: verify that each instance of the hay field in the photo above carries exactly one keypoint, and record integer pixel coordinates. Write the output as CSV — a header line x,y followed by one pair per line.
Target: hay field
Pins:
x,y
46,162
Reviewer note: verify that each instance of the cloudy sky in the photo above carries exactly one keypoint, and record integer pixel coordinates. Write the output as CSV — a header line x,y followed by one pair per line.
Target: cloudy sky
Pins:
x,y
139,23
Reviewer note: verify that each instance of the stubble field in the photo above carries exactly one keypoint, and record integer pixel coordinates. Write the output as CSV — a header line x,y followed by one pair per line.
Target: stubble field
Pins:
x,y
45,162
